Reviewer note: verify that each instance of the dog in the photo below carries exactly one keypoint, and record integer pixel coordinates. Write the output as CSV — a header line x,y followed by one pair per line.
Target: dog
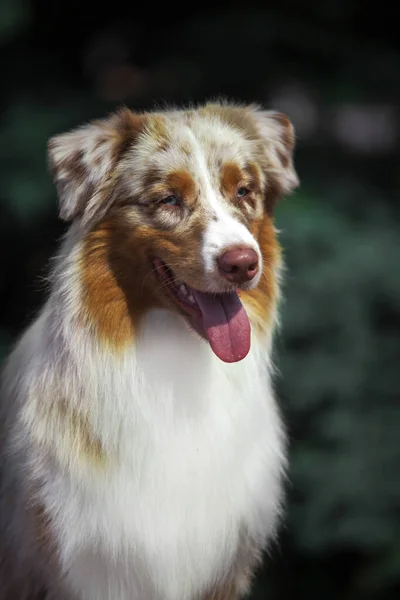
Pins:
x,y
143,453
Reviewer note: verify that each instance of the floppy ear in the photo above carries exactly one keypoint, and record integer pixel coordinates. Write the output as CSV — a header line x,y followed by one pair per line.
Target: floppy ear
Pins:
x,y
83,164
277,134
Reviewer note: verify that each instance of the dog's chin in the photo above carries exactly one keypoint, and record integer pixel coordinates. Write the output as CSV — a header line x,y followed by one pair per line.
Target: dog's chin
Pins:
x,y
217,316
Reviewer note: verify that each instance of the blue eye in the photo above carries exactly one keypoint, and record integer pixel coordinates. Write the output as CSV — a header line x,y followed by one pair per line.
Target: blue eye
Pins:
x,y
171,201
242,192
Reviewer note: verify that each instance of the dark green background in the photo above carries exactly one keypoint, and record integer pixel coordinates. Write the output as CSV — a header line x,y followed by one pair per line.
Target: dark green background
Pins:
x,y
335,68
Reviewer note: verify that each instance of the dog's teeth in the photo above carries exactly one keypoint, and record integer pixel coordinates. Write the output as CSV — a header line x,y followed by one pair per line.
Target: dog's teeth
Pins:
x,y
191,299
183,289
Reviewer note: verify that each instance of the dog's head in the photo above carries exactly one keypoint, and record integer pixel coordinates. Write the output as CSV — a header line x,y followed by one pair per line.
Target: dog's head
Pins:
x,y
187,199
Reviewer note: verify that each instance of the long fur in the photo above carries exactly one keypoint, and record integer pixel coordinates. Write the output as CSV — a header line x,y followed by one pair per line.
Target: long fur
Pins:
x,y
135,463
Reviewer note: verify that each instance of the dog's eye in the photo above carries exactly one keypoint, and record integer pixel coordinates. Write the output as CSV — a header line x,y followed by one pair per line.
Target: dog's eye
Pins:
x,y
170,201
242,192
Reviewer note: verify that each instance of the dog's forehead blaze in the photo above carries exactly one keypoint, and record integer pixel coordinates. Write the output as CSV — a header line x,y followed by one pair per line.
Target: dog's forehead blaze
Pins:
x,y
179,141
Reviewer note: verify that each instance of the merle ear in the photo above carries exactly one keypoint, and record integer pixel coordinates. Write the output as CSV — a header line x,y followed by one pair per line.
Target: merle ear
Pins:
x,y
83,164
278,137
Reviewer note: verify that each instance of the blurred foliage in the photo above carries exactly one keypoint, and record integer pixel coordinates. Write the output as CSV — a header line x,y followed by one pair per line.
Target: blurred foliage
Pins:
x,y
338,350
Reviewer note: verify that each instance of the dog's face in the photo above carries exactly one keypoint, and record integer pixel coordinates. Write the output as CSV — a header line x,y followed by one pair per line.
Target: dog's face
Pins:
x,y
186,198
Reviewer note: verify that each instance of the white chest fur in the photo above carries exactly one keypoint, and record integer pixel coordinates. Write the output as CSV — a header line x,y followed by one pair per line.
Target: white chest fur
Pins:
x,y
196,458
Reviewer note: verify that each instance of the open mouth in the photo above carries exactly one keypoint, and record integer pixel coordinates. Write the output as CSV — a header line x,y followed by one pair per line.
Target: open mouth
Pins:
x,y
219,318
181,293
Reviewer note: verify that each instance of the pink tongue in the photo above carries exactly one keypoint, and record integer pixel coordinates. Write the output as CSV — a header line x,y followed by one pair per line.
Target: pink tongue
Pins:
x,y
226,325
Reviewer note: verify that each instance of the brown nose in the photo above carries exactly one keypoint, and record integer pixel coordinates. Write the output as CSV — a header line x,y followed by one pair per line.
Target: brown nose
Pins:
x,y
238,265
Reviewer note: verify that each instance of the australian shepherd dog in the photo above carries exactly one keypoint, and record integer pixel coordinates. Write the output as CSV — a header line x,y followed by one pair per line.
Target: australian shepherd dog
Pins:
x,y
142,449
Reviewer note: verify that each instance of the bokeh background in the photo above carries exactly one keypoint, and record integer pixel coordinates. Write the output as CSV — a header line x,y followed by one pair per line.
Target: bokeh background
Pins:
x,y
334,67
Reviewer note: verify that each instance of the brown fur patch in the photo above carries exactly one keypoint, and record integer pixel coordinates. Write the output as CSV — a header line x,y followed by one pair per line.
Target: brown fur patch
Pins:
x,y
256,177
179,183
118,282
104,301
72,438
182,183
87,445
262,299
231,177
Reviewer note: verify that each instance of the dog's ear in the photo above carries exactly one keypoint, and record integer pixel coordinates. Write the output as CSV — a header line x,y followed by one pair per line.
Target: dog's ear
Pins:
x,y
83,164
277,134
274,133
